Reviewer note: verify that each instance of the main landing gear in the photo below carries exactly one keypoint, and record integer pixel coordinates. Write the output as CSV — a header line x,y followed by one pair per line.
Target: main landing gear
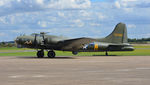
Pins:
x,y
40,54
50,54
106,53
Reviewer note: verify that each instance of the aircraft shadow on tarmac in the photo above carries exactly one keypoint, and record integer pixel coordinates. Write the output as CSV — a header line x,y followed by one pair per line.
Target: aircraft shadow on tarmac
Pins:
x,y
104,55
64,57
32,57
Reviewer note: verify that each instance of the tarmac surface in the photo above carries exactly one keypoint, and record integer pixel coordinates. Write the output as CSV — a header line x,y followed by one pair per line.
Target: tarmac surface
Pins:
x,y
91,70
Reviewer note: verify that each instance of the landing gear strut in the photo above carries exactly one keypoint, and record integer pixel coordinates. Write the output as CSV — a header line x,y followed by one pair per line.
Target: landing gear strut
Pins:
x,y
51,54
40,54
106,53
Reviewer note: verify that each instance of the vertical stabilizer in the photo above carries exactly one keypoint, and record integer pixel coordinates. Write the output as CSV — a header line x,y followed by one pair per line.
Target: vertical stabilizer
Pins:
x,y
119,35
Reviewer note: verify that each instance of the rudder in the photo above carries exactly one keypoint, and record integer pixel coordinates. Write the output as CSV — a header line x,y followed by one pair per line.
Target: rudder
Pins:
x,y
119,35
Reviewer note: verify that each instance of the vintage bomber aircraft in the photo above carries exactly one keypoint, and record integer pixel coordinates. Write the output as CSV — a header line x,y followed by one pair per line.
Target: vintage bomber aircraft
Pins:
x,y
116,41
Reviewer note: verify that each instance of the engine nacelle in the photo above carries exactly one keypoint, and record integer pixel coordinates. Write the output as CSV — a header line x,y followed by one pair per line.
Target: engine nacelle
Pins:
x,y
51,40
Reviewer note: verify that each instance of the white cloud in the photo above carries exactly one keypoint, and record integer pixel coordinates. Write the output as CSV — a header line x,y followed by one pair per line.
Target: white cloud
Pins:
x,y
128,9
24,16
43,23
125,3
61,14
2,34
19,0
78,23
128,0
131,3
117,4
15,6
131,26
95,24
67,4
85,13
1,3
101,16
2,20
39,1
11,19
147,35
16,31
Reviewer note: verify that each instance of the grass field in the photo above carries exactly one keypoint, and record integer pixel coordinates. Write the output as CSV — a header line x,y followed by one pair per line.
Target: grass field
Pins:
x,y
140,50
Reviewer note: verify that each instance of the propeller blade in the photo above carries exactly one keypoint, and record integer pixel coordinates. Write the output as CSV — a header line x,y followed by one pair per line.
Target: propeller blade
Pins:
x,y
35,40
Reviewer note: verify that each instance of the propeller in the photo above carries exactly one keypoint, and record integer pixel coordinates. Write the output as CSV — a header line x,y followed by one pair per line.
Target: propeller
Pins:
x,y
35,39
22,34
17,39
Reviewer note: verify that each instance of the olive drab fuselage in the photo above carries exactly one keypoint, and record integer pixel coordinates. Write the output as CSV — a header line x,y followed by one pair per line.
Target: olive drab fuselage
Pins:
x,y
116,41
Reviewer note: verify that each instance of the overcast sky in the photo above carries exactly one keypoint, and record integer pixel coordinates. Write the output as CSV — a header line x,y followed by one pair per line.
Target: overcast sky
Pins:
x,y
73,18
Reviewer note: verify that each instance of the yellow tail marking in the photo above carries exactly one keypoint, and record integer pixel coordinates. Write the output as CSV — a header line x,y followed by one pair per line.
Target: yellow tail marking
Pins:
x,y
96,47
118,35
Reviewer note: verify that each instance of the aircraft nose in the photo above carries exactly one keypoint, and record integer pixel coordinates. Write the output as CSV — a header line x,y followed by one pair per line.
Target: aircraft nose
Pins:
x,y
18,40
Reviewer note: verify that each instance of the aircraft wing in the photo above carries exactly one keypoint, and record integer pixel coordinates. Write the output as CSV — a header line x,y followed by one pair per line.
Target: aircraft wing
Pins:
x,y
75,44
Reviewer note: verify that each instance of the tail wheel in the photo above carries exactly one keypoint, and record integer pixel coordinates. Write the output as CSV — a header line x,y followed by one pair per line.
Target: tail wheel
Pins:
x,y
51,54
40,54
74,52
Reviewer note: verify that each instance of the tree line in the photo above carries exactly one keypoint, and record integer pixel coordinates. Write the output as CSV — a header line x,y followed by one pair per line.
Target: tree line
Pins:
x,y
7,44
142,40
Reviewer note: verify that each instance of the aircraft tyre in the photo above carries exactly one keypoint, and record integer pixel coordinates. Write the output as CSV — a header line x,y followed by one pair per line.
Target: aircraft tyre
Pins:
x,y
74,52
51,54
106,53
40,54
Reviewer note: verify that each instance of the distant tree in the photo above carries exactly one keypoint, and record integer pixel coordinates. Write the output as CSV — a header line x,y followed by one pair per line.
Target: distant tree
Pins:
x,y
142,40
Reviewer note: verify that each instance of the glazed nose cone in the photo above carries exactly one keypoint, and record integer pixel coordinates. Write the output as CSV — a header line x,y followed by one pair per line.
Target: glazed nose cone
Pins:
x,y
18,40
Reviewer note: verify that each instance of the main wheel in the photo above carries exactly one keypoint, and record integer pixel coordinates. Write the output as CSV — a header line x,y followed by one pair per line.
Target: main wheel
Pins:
x,y
40,54
74,52
51,54
106,53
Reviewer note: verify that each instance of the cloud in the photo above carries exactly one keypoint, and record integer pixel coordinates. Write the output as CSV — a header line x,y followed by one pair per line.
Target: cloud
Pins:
x,y
131,26
2,34
101,16
147,35
78,23
75,18
19,6
132,3
40,2
85,13
43,23
117,4
69,4
61,14
1,3
95,24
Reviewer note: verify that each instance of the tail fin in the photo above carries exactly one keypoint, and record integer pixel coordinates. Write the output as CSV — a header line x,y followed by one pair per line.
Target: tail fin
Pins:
x,y
119,35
